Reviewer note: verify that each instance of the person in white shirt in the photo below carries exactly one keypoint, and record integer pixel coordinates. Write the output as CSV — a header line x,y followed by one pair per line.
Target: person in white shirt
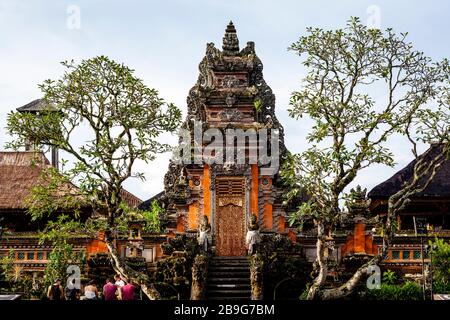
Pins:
x,y
119,282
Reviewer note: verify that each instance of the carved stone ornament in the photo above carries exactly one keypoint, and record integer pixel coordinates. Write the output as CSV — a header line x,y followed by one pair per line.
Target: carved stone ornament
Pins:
x,y
230,115
230,100
230,81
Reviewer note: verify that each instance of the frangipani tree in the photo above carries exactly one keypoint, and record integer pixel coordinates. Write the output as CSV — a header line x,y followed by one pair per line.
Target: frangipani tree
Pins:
x,y
123,119
351,129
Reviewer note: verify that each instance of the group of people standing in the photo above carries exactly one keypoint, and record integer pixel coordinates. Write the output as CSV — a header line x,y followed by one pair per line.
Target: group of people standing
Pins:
x,y
114,289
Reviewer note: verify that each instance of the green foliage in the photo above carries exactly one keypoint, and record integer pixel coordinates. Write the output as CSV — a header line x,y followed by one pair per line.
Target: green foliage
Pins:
x,y
257,104
7,266
54,192
154,217
441,265
14,280
407,291
58,233
389,277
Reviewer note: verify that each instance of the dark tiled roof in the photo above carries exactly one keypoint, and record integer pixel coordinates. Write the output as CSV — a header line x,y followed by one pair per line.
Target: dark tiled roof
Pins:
x,y
35,106
439,187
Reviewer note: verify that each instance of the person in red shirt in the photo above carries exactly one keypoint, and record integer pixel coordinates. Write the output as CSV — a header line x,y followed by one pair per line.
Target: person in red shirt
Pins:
x,y
128,291
109,290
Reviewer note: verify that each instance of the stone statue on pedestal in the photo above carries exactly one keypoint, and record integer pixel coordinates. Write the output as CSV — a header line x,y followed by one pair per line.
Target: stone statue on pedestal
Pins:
x,y
204,237
253,238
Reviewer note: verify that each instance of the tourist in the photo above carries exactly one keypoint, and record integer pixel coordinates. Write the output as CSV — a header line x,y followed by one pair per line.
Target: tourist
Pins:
x,y
128,291
55,291
91,291
109,290
119,282
72,293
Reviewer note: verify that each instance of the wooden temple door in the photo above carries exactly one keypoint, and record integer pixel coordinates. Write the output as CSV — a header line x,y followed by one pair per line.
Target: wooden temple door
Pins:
x,y
230,219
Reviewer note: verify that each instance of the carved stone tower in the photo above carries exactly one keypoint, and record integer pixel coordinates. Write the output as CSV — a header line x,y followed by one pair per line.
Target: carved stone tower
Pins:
x,y
230,96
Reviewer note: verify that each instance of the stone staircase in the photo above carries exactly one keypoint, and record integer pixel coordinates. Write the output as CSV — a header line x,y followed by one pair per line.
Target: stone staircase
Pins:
x,y
228,279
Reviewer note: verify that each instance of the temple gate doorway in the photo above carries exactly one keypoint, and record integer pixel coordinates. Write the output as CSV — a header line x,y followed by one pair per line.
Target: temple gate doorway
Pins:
x,y
230,218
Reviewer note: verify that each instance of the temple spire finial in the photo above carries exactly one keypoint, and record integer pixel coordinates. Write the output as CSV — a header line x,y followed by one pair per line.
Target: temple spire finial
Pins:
x,y
230,40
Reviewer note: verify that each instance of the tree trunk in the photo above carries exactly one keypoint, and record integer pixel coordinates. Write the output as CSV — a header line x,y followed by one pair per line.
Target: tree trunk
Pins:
x,y
322,263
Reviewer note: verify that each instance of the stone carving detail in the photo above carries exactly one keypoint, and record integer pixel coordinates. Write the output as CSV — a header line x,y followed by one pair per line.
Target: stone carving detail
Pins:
x,y
230,41
230,115
230,100
358,204
230,81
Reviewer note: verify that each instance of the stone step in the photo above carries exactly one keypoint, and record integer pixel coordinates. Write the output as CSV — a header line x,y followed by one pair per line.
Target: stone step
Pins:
x,y
228,286
229,293
228,298
228,268
227,280
229,263
225,274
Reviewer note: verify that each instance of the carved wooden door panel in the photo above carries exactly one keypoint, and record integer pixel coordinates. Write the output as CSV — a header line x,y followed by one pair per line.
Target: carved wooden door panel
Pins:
x,y
230,216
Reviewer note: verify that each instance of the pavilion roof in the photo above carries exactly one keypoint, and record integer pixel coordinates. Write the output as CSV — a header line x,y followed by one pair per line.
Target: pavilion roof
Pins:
x,y
34,106
19,173
438,187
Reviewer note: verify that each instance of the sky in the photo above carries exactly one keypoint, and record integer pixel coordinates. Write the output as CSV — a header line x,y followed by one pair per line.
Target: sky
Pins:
x,y
164,41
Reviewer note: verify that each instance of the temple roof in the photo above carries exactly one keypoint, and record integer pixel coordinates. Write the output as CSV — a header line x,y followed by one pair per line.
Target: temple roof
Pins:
x,y
33,106
36,106
438,187
19,173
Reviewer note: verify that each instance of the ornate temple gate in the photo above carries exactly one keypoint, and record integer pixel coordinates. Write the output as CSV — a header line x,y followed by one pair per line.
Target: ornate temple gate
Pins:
x,y
230,220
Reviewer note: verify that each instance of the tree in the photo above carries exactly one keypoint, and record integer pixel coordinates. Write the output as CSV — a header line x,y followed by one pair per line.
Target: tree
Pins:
x,y
351,129
123,118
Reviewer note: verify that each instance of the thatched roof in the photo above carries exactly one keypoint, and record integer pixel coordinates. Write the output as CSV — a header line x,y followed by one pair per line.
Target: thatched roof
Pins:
x,y
19,173
438,187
